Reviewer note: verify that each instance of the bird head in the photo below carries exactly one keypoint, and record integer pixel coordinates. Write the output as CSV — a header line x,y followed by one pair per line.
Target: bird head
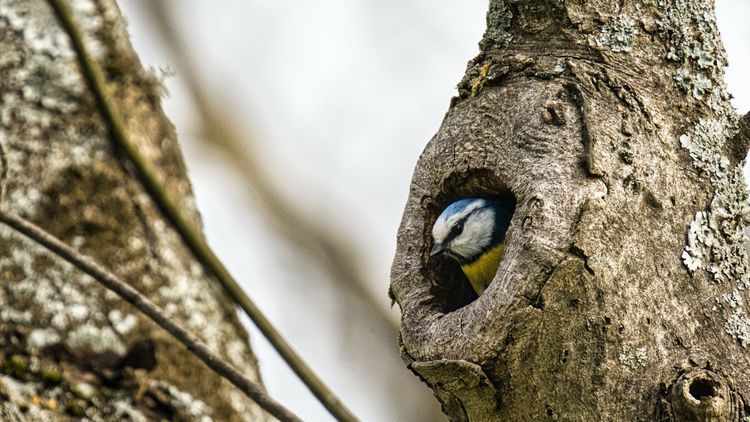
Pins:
x,y
469,227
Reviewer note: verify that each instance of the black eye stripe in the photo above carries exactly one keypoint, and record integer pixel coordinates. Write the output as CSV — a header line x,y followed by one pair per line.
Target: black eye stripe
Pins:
x,y
456,230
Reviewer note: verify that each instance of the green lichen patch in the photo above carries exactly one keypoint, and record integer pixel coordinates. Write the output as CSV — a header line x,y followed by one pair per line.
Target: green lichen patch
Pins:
x,y
691,32
716,236
738,326
698,84
633,358
478,83
486,70
618,34
692,42
489,73
16,366
498,33
51,375
45,389
75,407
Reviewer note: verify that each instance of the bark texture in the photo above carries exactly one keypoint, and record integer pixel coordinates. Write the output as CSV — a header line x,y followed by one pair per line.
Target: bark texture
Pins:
x,y
622,292
68,348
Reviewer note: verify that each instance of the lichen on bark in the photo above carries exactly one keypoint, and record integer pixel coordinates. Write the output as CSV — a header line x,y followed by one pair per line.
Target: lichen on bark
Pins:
x,y
716,237
610,123
65,175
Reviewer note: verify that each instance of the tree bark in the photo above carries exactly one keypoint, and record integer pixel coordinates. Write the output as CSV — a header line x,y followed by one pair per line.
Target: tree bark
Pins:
x,y
68,347
622,292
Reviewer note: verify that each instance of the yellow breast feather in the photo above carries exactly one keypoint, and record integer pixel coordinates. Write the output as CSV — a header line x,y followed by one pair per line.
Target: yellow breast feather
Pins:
x,y
481,272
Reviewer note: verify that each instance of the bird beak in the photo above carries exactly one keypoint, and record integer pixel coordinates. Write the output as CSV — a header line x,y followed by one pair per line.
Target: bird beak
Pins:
x,y
436,249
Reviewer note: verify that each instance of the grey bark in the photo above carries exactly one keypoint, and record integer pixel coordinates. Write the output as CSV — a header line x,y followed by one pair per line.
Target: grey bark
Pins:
x,y
69,348
622,292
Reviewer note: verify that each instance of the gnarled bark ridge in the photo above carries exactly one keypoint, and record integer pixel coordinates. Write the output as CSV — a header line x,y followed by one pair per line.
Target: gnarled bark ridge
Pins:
x,y
621,294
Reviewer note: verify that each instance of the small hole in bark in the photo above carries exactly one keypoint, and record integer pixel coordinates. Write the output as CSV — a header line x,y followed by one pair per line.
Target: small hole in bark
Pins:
x,y
451,287
550,412
702,388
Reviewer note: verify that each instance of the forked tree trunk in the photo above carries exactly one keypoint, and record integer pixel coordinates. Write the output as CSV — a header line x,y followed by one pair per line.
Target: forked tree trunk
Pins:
x,y
69,348
622,294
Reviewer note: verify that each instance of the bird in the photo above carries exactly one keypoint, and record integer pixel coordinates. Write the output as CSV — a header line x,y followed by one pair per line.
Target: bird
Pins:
x,y
472,232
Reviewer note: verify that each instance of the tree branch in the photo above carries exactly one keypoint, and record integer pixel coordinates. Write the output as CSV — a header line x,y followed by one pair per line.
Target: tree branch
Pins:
x,y
189,233
143,304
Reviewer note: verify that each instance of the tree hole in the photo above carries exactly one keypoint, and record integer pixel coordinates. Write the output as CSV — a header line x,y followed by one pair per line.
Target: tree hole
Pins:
x,y
448,270
702,388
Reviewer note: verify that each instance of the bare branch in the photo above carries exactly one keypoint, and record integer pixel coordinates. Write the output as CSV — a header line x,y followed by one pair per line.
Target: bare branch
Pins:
x,y
143,304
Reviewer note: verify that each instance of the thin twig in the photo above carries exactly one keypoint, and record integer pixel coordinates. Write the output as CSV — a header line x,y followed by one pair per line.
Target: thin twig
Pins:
x,y
189,233
143,304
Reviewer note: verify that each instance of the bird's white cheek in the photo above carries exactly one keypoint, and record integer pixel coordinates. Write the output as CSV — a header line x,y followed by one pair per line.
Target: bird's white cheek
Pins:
x,y
464,249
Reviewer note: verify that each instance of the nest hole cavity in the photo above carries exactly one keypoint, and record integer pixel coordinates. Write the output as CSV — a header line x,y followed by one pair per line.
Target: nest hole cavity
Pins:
x,y
701,388
448,271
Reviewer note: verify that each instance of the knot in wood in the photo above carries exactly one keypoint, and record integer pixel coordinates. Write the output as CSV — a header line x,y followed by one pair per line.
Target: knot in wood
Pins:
x,y
704,395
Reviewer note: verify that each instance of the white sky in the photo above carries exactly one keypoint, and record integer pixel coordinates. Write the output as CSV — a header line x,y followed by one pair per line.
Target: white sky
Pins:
x,y
345,94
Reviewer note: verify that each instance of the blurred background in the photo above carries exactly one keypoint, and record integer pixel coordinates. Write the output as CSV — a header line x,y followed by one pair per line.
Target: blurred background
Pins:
x,y
301,122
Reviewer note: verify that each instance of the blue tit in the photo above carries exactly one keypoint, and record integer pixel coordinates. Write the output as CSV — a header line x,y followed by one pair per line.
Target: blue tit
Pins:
x,y
472,232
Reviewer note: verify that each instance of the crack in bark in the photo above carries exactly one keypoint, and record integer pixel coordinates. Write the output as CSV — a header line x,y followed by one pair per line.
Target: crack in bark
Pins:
x,y
576,251
4,170
536,304
738,147
588,139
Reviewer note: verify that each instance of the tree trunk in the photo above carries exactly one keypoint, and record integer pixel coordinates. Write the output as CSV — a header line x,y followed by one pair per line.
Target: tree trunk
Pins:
x,y
621,295
69,347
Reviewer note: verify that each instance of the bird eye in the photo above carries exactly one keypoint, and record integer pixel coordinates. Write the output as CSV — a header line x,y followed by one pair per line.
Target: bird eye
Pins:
x,y
456,230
